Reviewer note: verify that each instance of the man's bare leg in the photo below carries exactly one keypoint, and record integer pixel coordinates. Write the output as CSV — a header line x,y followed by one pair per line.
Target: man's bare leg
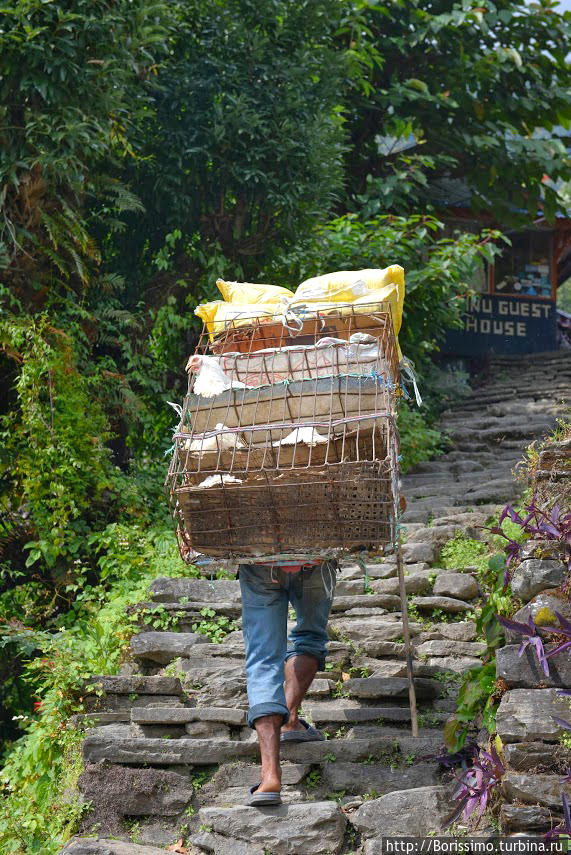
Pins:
x,y
268,730
299,672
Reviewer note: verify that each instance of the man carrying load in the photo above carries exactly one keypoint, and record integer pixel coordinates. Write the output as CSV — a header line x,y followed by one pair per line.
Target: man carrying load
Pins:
x,y
267,592
286,451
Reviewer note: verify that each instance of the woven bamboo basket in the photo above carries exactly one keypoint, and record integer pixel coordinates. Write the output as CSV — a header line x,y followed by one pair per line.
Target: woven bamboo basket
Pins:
x,y
303,462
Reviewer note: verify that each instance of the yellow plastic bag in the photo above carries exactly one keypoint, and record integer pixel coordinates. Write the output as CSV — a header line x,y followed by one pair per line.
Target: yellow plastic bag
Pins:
x,y
391,294
346,286
218,315
247,293
244,301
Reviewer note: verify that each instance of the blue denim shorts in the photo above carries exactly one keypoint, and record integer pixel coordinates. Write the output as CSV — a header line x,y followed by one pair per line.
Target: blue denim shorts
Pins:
x,y
266,594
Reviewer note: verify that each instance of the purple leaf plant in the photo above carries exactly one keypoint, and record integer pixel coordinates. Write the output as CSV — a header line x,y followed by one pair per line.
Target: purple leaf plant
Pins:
x,y
476,785
554,526
563,829
532,637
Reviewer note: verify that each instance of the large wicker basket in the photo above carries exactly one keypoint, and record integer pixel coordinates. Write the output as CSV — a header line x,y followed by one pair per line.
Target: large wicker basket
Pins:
x,y
241,485
298,512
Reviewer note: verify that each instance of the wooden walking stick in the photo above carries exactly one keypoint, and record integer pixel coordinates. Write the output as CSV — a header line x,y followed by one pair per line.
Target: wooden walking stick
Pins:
x,y
407,646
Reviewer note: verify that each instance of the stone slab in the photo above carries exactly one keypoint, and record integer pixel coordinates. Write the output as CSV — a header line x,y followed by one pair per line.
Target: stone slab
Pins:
x,y
415,552
385,601
525,715
414,584
165,589
462,586
134,685
135,792
446,604
440,664
394,649
157,731
105,846
460,631
164,752
330,713
537,757
535,575
320,688
450,648
207,730
391,687
371,630
525,671
375,742
247,775
168,715
422,811
163,647
113,703
377,778
528,818
206,841
202,669
290,829
544,790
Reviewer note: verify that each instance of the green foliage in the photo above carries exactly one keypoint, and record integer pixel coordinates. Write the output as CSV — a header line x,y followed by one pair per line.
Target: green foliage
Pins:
x,y
464,551
150,147
418,440
477,696
90,638
438,269
474,697
564,296
433,122
71,83
58,434
243,147
313,779
215,627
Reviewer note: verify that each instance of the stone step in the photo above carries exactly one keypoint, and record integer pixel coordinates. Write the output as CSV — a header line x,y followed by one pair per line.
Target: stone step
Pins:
x,y
107,846
313,829
527,818
123,749
537,757
191,610
325,713
391,687
418,812
527,715
167,590
451,605
169,715
118,685
524,671
163,647
543,790
388,602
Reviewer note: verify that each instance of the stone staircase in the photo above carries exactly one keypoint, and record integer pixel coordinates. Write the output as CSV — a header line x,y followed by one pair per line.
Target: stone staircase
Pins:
x,y
170,757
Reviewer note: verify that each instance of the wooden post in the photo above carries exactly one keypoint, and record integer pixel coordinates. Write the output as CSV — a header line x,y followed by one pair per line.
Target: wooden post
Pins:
x,y
407,647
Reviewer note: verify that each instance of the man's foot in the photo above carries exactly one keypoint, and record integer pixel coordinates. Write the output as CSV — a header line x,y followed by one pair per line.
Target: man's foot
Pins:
x,y
268,730
307,733
263,798
292,726
269,785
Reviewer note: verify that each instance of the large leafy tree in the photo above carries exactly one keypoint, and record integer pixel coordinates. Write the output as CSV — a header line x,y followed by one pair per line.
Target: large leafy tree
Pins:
x,y
244,145
70,86
465,85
